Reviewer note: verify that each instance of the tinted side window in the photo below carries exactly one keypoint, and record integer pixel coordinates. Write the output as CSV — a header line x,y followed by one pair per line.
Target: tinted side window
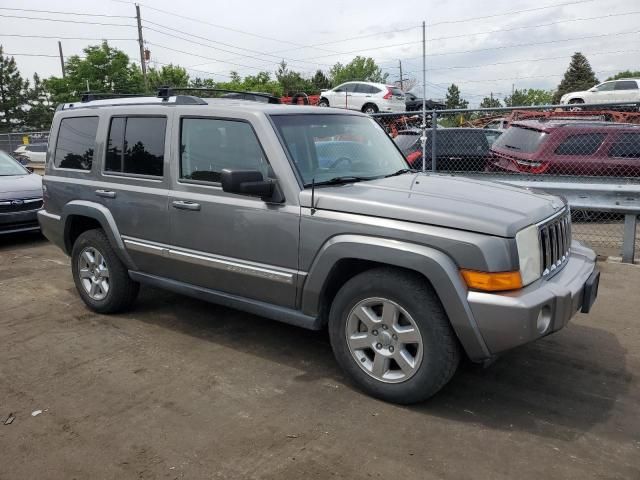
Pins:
x,y
581,144
136,145
209,145
605,87
626,85
37,148
627,145
76,143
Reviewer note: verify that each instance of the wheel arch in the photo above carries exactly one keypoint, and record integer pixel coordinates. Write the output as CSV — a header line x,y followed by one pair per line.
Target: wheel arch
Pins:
x,y
79,216
345,256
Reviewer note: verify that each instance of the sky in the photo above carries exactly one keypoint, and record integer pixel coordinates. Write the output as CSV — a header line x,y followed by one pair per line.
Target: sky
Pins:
x,y
484,47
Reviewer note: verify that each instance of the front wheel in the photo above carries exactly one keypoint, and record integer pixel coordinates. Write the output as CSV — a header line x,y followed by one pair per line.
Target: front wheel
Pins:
x,y
323,102
392,337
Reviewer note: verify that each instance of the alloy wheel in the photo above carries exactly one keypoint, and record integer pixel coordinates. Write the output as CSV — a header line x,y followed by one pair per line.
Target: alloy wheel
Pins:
x,y
94,273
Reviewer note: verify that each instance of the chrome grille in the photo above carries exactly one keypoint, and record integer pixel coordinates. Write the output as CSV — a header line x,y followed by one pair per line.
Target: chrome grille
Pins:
x,y
555,242
20,205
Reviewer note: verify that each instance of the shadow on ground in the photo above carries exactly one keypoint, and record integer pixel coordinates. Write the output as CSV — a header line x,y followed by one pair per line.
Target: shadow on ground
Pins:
x,y
559,387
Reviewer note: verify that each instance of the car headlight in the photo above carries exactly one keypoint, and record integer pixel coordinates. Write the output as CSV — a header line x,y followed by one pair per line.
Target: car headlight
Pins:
x,y
529,254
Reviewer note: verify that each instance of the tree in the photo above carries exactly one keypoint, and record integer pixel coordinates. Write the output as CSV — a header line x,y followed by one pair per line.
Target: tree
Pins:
x,y
625,74
360,68
103,69
13,95
490,102
579,76
320,81
290,81
202,83
40,109
529,97
171,75
454,100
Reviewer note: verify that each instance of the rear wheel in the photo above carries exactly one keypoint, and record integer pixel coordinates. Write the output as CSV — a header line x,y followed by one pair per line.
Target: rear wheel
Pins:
x,y
101,278
391,335
576,101
370,108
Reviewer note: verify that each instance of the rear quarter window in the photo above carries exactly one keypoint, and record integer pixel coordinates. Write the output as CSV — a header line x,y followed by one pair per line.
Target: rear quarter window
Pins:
x,y
581,144
76,143
626,145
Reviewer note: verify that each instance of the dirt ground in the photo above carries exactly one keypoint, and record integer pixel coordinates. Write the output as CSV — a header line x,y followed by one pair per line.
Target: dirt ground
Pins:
x,y
183,389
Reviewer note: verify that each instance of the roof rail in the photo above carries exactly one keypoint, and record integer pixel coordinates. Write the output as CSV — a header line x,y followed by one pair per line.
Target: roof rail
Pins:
x,y
166,91
91,96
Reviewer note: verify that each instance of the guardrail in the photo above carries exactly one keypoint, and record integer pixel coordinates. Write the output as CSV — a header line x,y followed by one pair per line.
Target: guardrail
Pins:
x,y
622,199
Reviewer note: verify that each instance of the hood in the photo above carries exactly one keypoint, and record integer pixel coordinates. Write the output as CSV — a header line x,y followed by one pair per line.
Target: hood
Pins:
x,y
491,208
21,186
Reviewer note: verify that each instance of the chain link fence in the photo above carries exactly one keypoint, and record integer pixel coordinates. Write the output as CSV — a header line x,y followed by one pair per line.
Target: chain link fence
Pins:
x,y
26,147
569,144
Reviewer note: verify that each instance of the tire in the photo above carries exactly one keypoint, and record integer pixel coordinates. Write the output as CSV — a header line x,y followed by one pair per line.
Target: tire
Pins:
x,y
113,292
369,108
576,101
323,102
433,353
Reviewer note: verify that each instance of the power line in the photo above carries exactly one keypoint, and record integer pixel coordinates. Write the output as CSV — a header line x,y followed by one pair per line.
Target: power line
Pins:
x,y
469,19
19,35
215,41
560,57
65,13
66,21
528,77
486,32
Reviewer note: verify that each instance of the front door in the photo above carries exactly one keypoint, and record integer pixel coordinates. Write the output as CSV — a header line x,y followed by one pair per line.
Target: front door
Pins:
x,y
226,242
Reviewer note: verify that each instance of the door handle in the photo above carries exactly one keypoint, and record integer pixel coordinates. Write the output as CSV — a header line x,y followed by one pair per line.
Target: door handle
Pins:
x,y
106,193
185,205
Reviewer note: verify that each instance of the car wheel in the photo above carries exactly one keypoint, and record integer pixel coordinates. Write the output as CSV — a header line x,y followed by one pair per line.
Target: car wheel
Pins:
x,y
101,278
369,109
576,101
390,334
323,102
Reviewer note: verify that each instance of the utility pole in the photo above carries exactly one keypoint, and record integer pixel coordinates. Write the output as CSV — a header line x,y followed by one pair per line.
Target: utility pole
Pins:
x,y
424,98
141,43
61,57
401,77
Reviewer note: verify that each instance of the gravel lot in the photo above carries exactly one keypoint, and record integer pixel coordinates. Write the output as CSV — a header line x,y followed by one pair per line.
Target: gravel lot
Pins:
x,y
183,389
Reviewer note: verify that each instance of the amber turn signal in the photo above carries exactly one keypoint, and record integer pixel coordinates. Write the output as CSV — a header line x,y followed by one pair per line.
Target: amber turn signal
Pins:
x,y
492,281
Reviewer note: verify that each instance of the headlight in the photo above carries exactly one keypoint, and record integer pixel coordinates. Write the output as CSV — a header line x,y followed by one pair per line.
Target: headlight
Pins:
x,y
528,244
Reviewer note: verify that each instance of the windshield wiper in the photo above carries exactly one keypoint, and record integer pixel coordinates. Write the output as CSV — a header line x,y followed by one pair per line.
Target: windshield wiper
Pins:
x,y
341,180
402,171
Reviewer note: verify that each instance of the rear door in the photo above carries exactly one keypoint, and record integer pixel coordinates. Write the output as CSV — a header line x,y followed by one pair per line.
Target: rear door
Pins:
x,y
133,186
361,92
623,159
627,90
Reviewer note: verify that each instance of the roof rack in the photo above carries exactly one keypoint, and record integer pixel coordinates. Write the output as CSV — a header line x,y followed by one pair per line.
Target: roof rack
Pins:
x,y
91,96
166,92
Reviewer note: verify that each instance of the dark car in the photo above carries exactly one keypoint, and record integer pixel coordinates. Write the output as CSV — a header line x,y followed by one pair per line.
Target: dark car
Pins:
x,y
457,149
20,196
413,103
569,148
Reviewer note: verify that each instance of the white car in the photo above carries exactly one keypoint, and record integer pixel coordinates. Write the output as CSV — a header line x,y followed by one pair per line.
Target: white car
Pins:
x,y
366,97
33,152
623,90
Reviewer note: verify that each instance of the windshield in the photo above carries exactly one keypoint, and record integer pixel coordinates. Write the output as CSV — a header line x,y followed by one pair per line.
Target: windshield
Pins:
x,y
326,146
8,166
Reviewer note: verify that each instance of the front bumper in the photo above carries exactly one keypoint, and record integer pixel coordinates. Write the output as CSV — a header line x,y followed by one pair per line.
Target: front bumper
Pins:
x,y
507,320
16,222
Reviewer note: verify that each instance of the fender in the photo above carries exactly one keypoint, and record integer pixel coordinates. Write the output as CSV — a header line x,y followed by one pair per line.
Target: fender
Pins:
x,y
103,216
433,264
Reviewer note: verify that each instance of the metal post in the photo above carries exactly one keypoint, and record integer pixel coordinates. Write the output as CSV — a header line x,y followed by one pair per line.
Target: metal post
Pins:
x,y
424,97
629,238
61,58
143,65
434,127
401,77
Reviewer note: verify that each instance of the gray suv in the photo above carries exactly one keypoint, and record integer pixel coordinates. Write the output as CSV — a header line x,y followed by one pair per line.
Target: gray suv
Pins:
x,y
310,216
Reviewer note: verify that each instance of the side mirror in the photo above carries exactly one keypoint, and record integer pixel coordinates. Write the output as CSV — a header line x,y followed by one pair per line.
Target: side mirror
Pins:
x,y
593,89
29,169
248,182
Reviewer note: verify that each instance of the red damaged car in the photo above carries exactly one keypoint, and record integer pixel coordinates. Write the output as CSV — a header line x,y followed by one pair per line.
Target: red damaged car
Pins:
x,y
568,148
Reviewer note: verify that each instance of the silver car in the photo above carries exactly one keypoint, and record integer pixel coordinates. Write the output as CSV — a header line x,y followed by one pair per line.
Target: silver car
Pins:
x,y
309,216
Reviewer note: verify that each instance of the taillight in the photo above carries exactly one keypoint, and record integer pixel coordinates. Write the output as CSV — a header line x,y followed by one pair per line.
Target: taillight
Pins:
x,y
388,95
